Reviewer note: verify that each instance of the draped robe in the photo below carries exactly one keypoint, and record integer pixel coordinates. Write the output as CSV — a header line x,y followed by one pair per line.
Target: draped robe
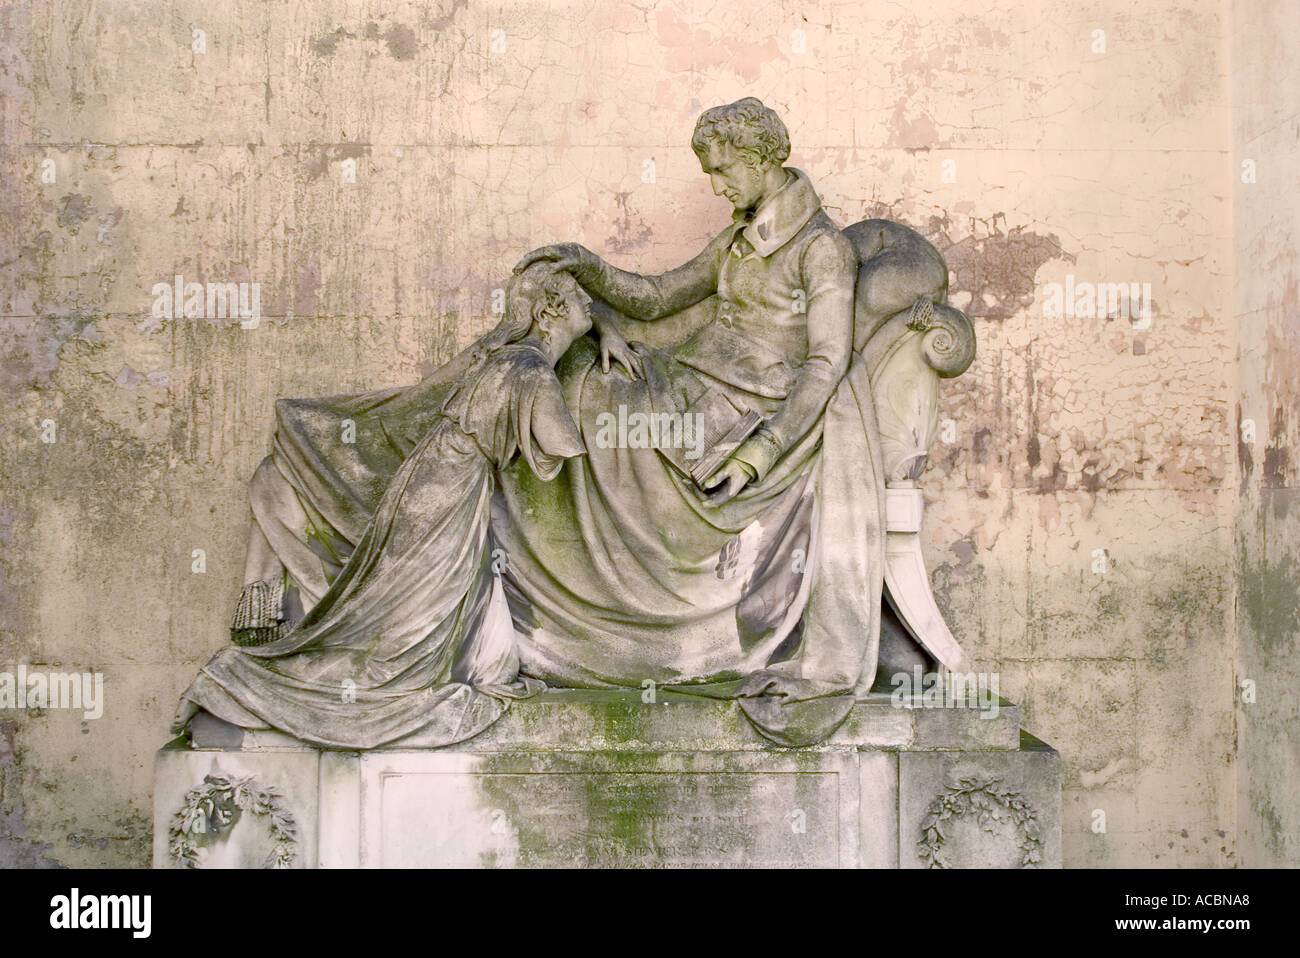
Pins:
x,y
413,637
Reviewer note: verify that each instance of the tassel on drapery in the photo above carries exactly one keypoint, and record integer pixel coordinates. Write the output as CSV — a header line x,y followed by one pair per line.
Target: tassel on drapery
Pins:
x,y
259,614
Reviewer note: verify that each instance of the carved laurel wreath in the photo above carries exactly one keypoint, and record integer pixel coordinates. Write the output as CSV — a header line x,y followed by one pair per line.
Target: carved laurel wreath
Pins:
x,y
209,808
991,803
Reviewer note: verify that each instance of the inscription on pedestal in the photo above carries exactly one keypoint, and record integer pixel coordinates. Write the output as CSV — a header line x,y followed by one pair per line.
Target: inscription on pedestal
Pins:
x,y
603,816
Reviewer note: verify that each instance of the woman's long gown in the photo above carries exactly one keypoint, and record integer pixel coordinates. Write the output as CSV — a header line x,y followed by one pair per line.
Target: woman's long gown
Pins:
x,y
414,636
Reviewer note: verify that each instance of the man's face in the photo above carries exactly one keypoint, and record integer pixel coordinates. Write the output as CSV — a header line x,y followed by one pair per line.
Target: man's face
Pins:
x,y
730,176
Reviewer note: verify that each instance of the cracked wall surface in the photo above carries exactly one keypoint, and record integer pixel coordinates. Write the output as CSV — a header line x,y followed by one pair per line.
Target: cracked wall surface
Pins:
x,y
379,167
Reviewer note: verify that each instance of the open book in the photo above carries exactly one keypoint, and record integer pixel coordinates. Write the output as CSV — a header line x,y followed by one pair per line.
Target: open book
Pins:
x,y
714,428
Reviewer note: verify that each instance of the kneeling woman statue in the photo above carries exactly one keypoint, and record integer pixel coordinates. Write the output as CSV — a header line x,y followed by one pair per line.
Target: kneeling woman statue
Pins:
x,y
414,636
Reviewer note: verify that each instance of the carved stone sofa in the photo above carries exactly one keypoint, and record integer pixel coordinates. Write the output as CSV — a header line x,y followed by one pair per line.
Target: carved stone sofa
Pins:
x,y
911,338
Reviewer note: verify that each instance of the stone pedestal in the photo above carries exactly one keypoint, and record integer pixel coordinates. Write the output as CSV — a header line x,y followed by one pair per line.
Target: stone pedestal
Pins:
x,y
594,778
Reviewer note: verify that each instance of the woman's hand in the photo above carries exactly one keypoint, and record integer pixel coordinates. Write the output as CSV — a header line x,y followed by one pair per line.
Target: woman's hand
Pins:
x,y
623,354
614,346
569,257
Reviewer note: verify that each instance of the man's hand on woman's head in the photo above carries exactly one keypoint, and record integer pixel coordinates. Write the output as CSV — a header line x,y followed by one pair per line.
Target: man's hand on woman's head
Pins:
x,y
566,257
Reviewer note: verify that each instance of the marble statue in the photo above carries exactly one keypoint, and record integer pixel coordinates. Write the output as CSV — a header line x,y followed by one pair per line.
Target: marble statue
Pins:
x,y
736,516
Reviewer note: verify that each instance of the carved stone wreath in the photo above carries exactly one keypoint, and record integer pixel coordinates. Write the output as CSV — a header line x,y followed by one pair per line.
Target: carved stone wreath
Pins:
x,y
213,808
991,803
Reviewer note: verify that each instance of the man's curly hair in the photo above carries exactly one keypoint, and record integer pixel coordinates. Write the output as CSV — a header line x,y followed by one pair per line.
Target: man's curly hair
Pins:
x,y
753,130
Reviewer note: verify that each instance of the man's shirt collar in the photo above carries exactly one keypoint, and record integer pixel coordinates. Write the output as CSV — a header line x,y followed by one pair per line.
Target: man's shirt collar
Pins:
x,y
783,214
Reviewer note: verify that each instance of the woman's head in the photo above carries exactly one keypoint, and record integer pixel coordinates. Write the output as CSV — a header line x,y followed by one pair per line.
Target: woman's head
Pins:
x,y
544,303
741,146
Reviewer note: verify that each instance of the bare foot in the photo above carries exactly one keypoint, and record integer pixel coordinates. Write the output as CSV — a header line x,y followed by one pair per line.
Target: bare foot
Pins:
x,y
181,720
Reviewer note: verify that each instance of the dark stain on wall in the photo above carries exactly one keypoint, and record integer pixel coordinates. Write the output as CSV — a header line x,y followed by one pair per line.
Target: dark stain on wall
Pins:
x,y
1245,458
16,851
74,209
29,347
400,40
1277,457
997,269
318,156
629,234
1266,814
1000,267
1269,589
326,44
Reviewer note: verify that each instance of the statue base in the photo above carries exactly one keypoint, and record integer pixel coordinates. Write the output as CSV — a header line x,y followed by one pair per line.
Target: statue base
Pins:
x,y
578,778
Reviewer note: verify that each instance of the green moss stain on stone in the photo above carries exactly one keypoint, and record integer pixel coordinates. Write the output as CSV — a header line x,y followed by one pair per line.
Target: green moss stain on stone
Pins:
x,y
1270,601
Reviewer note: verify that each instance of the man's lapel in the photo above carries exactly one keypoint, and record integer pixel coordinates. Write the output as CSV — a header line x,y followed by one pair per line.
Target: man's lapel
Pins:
x,y
776,222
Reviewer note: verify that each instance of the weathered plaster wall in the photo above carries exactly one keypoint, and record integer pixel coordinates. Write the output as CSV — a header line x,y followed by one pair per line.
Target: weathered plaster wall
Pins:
x,y
1025,144
1266,304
